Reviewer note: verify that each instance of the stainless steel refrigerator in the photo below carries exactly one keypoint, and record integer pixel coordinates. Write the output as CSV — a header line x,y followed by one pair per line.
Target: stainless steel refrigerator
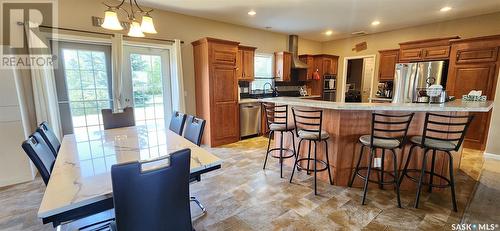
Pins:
x,y
410,78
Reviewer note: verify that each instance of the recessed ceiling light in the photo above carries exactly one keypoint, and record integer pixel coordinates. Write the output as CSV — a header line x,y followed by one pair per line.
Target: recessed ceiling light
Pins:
x,y
375,23
444,9
252,13
329,32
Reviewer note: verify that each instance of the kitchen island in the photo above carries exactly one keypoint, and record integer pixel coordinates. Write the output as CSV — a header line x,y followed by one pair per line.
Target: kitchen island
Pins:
x,y
346,122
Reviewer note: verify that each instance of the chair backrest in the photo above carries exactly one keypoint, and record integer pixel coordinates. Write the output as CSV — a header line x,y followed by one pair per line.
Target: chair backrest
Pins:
x,y
446,128
307,120
40,154
391,127
177,122
154,199
194,129
275,114
118,120
50,137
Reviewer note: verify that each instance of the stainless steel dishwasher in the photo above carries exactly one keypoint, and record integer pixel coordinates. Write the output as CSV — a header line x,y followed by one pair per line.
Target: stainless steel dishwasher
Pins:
x,y
249,119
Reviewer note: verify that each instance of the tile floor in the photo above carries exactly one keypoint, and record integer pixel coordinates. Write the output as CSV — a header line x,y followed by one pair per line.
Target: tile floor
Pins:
x,y
242,196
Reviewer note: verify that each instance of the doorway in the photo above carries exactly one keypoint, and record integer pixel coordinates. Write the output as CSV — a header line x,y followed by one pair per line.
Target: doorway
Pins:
x,y
357,78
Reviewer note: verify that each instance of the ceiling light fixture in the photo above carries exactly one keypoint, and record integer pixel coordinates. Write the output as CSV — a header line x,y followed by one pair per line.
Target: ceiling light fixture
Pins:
x,y
329,32
136,29
375,23
444,9
252,13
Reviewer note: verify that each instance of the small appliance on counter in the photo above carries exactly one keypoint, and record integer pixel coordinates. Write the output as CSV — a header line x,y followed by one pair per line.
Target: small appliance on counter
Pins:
x,y
384,90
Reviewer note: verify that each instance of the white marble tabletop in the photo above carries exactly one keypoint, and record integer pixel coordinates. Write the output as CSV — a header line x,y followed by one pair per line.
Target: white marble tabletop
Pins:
x,y
81,174
453,106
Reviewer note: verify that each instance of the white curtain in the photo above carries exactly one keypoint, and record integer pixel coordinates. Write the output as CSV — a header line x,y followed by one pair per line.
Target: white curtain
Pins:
x,y
117,72
177,79
43,82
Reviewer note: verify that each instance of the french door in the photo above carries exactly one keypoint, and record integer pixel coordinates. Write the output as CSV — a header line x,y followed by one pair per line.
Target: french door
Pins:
x,y
84,86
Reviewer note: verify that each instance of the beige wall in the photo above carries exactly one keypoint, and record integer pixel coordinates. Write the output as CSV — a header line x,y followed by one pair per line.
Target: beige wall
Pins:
x,y
77,14
493,145
468,27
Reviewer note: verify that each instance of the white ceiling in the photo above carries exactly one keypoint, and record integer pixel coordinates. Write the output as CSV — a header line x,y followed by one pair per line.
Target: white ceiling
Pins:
x,y
311,18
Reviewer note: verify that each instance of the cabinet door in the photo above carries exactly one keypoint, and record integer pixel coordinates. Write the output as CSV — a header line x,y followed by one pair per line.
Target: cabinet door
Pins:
x,y
224,54
226,122
248,64
469,77
224,82
239,65
438,52
476,55
278,66
328,65
387,65
410,54
287,67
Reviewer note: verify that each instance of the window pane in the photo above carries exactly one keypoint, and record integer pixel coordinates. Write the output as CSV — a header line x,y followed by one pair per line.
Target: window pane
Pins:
x,y
263,72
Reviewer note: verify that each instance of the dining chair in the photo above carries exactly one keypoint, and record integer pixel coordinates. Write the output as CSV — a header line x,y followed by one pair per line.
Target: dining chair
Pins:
x,y
194,129
152,195
40,154
118,120
177,122
50,137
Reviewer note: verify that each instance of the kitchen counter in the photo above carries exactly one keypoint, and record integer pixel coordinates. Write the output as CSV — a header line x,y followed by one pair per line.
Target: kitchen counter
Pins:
x,y
453,106
251,100
380,99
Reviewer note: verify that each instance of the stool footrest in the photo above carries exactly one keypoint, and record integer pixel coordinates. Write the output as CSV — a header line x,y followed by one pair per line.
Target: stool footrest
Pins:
x,y
375,181
299,167
285,150
427,183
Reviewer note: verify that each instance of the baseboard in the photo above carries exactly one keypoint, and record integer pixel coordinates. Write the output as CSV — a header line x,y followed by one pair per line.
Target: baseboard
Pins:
x,y
491,156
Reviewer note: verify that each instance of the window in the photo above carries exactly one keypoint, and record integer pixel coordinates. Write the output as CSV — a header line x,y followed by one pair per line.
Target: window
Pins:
x,y
263,72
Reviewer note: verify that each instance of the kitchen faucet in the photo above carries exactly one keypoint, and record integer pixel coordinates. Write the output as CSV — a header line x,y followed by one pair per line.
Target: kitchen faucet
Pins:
x,y
264,87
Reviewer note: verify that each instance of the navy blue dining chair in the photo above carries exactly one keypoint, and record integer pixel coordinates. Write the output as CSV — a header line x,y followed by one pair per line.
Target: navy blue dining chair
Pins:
x,y
112,120
40,154
50,137
194,129
177,122
152,195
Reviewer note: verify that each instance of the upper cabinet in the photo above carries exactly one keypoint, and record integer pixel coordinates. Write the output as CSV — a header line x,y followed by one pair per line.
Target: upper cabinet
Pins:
x,y
423,50
245,63
283,66
309,60
387,66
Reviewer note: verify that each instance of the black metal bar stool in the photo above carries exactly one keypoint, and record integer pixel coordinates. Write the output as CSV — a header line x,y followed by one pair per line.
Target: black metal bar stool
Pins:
x,y
387,132
308,125
432,140
277,121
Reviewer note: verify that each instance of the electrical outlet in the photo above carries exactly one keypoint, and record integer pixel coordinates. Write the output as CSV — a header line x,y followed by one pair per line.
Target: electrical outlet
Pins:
x,y
377,163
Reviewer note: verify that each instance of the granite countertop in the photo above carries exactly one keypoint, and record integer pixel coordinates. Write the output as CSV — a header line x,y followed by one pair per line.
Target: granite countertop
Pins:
x,y
251,100
453,106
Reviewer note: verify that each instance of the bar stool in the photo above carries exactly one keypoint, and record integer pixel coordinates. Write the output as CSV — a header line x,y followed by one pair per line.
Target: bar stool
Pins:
x,y
432,139
277,121
387,132
308,124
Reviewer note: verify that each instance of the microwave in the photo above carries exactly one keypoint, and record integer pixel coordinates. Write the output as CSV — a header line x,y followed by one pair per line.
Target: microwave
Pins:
x,y
330,82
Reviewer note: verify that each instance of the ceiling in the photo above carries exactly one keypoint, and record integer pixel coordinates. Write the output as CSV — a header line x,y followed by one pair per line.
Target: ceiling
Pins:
x,y
311,18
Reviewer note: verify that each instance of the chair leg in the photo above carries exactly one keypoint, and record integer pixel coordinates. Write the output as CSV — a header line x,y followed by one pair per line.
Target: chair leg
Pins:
x,y
405,168
315,165
203,209
421,178
268,146
328,162
452,183
396,177
281,155
357,166
381,182
368,172
293,144
296,161
432,169
308,158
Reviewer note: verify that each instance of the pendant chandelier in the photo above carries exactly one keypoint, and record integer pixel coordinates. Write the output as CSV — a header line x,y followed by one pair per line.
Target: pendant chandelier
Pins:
x,y
136,29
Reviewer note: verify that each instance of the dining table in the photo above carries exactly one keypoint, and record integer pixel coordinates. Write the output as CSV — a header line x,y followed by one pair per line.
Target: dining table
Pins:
x,y
80,181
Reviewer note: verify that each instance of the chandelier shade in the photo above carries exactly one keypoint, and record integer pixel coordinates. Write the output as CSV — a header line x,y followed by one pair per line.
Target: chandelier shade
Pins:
x,y
111,21
135,30
147,25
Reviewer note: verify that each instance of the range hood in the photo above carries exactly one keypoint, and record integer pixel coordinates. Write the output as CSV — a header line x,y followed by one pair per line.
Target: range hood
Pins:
x,y
293,47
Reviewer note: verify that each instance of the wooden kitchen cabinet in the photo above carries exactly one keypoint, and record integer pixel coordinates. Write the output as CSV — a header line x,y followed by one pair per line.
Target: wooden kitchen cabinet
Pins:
x,y
283,66
387,64
425,50
216,85
245,63
474,65
309,60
